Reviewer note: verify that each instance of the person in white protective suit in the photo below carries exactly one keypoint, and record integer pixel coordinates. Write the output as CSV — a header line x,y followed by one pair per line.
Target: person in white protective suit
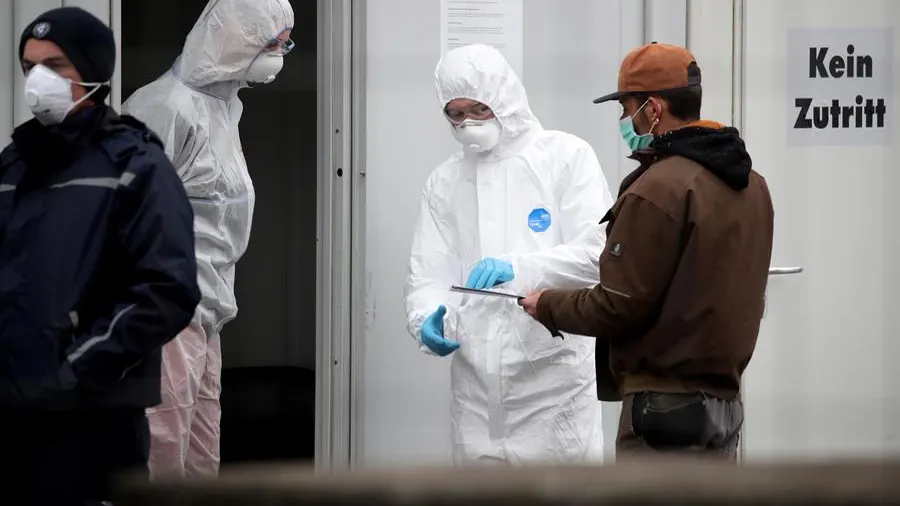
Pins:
x,y
195,110
518,208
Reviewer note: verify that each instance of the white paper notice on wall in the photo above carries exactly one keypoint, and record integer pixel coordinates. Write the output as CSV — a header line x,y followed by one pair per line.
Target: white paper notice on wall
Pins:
x,y
840,85
496,23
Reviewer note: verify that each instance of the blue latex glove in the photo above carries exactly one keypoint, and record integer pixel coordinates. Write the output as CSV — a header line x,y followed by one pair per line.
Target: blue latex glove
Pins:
x,y
489,273
432,334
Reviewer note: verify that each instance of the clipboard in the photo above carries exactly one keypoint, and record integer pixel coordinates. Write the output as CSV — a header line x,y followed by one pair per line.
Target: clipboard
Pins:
x,y
485,293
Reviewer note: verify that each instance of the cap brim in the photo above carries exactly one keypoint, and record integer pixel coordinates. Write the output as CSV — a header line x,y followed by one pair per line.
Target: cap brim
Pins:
x,y
606,98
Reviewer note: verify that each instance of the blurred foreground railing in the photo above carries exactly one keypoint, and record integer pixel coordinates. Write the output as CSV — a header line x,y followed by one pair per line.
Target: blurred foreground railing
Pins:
x,y
633,483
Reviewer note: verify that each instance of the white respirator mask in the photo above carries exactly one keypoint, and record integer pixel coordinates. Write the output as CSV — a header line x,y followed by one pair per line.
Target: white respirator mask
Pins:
x,y
49,95
265,68
478,136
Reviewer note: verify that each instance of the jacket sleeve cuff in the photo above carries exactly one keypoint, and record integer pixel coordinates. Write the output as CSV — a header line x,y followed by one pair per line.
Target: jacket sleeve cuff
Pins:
x,y
546,303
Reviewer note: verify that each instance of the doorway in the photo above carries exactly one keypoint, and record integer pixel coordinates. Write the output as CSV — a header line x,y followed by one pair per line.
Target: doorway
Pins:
x,y
822,382
269,350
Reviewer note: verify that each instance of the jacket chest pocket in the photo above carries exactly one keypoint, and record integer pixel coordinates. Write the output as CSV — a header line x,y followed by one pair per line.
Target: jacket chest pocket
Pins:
x,y
20,229
71,235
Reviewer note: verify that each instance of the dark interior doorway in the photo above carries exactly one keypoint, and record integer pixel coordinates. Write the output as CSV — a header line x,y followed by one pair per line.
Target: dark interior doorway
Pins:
x,y
269,350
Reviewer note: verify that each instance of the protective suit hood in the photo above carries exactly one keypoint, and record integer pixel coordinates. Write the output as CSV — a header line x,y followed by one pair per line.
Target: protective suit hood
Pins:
x,y
227,37
479,72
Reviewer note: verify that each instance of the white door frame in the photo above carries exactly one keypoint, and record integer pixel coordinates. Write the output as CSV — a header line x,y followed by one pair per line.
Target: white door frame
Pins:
x,y
737,121
115,22
338,234
359,285
342,281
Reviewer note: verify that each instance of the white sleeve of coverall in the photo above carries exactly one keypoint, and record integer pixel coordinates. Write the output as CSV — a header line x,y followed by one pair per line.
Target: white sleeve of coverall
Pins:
x,y
181,149
430,271
169,123
585,199
182,144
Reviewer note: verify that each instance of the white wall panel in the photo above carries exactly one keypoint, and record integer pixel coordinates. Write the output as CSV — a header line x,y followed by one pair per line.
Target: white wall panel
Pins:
x,y
406,396
115,19
710,38
8,69
666,21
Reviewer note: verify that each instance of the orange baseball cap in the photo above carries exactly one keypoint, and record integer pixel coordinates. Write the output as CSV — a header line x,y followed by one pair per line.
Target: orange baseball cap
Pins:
x,y
655,67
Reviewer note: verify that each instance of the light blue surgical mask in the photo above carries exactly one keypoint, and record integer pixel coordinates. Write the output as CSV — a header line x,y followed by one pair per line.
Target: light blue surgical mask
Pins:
x,y
634,140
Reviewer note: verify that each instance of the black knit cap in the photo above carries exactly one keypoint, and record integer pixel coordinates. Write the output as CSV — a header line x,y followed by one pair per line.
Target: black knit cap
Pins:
x,y
86,41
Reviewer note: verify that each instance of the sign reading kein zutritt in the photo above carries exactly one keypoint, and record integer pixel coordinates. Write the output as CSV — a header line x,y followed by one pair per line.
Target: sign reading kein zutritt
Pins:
x,y
840,82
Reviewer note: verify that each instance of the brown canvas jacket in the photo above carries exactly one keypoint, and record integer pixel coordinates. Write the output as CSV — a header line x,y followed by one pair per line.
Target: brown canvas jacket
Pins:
x,y
684,271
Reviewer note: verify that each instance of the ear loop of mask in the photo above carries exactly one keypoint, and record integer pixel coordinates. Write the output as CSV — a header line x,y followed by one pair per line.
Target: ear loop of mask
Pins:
x,y
653,122
87,95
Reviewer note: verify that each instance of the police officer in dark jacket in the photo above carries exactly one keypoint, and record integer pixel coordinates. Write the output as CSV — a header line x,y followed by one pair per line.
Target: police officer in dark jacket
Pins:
x,y
97,271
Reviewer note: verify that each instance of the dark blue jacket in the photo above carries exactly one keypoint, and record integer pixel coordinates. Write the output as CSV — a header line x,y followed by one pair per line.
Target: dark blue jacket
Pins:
x,y
97,265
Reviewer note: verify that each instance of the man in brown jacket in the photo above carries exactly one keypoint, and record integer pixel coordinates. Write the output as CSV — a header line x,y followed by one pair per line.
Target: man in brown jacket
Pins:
x,y
683,274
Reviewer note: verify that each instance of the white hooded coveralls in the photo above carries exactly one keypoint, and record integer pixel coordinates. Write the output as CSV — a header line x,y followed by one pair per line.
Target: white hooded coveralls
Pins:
x,y
535,200
195,110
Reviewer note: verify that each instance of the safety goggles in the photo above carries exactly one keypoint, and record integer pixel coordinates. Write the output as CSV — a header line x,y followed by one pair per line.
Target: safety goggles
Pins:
x,y
279,46
477,111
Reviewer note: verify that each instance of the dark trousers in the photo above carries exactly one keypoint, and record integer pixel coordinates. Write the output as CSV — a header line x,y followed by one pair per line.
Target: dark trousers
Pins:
x,y
682,424
71,458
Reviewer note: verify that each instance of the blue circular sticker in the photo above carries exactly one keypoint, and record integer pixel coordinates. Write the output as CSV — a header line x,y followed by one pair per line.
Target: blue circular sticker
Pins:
x,y
539,220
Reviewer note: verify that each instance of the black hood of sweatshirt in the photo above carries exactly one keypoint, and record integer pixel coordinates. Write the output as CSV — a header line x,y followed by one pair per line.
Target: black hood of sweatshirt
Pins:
x,y
720,150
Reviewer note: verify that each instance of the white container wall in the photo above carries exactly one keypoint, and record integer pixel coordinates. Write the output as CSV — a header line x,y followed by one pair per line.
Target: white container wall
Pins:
x,y
822,382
